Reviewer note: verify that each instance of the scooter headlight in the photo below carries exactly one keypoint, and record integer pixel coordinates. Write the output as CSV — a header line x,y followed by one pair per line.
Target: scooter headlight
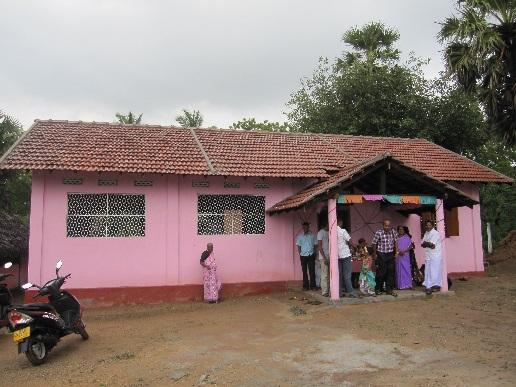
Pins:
x,y
17,318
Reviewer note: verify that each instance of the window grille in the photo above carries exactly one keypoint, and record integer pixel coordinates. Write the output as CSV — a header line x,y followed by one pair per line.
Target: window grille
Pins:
x,y
262,185
230,214
105,215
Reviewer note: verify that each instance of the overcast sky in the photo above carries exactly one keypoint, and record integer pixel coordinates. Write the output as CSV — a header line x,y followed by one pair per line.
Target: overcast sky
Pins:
x,y
87,60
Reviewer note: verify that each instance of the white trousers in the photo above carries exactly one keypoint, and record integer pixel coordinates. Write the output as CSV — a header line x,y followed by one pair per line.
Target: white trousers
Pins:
x,y
433,272
325,278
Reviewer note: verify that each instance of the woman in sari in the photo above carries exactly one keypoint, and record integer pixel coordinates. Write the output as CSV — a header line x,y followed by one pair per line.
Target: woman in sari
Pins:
x,y
212,284
403,267
366,278
417,276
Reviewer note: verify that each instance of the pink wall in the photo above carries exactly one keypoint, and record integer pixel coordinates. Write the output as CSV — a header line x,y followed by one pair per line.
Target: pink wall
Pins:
x,y
464,252
169,252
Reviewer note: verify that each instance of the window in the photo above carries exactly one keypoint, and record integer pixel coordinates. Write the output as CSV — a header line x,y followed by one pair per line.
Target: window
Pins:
x,y
105,215
451,222
230,214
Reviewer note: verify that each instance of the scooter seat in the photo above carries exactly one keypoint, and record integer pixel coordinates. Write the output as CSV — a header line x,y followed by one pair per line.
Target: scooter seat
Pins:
x,y
34,307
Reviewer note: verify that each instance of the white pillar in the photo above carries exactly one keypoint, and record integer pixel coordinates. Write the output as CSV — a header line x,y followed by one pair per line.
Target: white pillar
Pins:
x,y
439,215
334,257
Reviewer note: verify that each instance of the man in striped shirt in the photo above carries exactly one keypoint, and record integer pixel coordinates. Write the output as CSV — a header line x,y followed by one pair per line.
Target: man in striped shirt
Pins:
x,y
384,245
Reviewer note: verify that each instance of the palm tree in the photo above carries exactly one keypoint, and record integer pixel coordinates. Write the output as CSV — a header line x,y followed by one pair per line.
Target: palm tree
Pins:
x,y
190,119
130,118
481,54
371,43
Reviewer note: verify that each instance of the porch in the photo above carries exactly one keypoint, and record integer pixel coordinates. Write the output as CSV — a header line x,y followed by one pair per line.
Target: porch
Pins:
x,y
394,186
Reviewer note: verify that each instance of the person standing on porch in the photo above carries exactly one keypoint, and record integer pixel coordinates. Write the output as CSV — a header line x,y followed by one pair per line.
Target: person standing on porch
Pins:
x,y
323,248
433,258
384,245
211,280
403,268
305,243
344,243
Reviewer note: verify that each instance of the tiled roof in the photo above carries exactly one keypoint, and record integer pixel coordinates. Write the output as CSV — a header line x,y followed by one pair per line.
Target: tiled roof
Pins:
x,y
315,190
94,146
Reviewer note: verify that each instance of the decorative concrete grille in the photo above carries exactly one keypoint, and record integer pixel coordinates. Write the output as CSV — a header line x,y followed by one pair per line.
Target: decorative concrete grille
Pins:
x,y
229,184
105,215
72,181
230,214
143,183
107,182
201,183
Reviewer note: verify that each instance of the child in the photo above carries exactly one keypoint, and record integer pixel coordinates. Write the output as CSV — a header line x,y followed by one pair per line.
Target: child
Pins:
x,y
367,277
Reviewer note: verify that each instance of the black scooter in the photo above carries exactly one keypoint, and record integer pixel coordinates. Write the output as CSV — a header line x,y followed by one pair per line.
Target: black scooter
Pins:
x,y
37,328
5,297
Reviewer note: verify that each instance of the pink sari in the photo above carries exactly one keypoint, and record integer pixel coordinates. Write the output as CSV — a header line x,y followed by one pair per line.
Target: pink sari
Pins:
x,y
212,284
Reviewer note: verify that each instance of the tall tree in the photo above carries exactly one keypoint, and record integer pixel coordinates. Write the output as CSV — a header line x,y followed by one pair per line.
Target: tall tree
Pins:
x,y
189,119
374,94
481,54
14,185
130,118
371,43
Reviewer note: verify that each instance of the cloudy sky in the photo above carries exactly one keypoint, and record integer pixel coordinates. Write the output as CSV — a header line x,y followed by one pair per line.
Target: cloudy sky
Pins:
x,y
87,60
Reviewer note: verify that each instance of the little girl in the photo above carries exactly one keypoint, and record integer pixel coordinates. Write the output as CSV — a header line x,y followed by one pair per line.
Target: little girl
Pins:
x,y
367,277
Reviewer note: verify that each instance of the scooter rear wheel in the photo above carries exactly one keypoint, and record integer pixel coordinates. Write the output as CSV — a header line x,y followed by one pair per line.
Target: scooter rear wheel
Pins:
x,y
37,351
82,331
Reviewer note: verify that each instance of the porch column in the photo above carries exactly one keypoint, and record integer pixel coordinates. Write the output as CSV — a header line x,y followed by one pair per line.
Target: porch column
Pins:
x,y
439,217
334,257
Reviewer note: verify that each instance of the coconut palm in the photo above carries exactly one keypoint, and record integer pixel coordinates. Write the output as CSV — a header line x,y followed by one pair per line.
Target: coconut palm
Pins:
x,y
190,119
130,118
371,43
481,54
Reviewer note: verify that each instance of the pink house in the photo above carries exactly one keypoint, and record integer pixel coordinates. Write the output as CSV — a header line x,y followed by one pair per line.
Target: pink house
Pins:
x,y
130,208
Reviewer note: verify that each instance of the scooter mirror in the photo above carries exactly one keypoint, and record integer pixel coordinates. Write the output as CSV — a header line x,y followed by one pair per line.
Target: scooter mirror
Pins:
x,y
59,264
7,265
26,286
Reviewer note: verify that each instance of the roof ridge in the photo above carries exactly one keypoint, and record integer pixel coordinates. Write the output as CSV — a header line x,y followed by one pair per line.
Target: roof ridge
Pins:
x,y
203,151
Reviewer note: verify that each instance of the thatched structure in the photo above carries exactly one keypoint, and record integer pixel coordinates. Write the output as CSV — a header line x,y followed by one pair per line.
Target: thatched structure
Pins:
x,y
14,237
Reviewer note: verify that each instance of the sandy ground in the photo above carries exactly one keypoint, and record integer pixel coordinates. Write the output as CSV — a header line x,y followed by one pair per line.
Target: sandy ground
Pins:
x,y
462,340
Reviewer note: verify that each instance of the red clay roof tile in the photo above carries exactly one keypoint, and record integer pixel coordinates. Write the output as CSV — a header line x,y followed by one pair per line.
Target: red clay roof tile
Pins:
x,y
96,146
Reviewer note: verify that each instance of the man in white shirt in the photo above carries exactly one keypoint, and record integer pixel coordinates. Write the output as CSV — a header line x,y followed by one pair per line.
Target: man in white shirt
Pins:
x,y
433,258
324,258
345,268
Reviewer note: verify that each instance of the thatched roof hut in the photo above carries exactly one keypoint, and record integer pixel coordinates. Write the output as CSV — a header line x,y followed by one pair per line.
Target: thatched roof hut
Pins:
x,y
14,237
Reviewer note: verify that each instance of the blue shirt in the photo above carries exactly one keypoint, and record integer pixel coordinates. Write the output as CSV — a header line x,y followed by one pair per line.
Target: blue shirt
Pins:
x,y
306,242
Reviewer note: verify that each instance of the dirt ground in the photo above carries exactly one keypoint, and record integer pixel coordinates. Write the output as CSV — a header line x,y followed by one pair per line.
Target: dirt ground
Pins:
x,y
462,340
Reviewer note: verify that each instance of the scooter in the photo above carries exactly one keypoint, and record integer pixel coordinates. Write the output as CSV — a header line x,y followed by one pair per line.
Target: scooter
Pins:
x,y
5,297
38,327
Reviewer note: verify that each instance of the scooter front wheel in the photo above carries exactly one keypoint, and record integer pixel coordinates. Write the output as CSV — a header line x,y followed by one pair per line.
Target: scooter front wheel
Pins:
x,y
37,351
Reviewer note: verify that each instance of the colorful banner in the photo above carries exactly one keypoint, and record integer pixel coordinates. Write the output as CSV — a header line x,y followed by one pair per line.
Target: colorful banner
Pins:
x,y
393,199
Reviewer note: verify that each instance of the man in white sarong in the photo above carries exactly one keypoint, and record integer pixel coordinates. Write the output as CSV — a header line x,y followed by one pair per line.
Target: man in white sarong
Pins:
x,y
433,258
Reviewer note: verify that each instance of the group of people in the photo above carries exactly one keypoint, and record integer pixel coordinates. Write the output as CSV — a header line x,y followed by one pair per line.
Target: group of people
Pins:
x,y
392,252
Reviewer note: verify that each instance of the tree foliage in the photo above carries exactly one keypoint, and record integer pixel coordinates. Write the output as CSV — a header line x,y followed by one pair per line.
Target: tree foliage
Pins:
x,y
14,185
130,118
190,119
252,124
498,202
375,94
481,54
